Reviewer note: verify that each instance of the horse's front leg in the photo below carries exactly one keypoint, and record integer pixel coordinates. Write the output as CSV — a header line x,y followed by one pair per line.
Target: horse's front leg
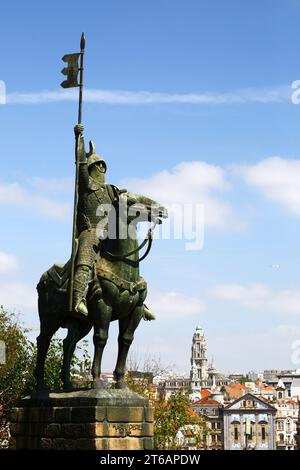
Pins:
x,y
127,327
76,332
102,318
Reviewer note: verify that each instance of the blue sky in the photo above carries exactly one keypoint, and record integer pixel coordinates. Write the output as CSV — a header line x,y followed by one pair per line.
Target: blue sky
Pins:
x,y
168,82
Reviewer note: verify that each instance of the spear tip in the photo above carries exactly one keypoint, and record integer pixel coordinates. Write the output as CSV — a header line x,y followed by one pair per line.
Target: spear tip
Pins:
x,y
82,42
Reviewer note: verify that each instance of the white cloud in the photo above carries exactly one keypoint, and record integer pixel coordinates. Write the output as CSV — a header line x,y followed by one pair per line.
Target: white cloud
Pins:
x,y
191,182
277,94
278,180
169,305
18,296
260,298
16,195
8,262
53,185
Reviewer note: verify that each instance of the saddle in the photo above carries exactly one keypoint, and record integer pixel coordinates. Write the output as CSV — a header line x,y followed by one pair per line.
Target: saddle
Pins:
x,y
60,274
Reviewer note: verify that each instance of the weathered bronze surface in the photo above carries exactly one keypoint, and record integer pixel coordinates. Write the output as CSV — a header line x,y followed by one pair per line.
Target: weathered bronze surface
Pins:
x,y
107,279
101,282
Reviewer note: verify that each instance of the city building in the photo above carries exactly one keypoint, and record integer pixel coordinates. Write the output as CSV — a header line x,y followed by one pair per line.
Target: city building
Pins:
x,y
199,365
203,375
235,377
232,392
249,423
172,386
212,411
290,380
254,376
286,418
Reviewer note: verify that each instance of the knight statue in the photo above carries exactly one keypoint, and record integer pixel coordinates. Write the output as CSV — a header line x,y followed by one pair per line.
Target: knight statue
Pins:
x,y
92,193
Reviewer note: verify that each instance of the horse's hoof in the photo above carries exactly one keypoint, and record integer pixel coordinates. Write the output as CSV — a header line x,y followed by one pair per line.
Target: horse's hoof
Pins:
x,y
41,389
68,387
99,384
121,384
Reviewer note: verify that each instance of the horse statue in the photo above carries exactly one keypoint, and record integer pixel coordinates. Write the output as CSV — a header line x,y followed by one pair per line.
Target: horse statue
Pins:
x,y
115,292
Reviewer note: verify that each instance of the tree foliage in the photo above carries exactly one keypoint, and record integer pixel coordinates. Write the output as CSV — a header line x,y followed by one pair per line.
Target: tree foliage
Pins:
x,y
17,374
244,379
175,414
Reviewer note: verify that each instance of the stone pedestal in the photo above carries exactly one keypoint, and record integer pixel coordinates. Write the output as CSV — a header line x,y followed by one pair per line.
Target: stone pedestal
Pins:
x,y
83,420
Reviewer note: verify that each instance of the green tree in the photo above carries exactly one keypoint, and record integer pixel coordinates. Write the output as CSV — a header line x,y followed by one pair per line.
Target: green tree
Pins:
x,y
173,415
17,374
244,379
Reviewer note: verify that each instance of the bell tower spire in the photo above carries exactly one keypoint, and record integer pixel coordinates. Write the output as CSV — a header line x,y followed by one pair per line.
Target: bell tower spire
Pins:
x,y
199,366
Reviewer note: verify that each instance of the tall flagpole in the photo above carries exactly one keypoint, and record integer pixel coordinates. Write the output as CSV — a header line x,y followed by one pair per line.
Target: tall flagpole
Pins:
x,y
77,137
82,47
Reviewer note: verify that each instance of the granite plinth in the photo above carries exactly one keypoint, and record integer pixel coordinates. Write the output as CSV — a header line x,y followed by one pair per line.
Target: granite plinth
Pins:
x,y
82,419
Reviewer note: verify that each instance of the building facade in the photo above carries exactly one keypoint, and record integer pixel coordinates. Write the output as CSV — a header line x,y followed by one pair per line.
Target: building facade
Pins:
x,y
286,418
212,412
203,375
172,386
199,364
249,424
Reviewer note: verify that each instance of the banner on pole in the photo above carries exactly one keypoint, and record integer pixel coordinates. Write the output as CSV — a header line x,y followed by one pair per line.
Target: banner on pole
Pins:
x,y
71,70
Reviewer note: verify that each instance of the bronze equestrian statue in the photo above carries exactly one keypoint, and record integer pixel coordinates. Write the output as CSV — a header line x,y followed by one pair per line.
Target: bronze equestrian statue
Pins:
x,y
107,282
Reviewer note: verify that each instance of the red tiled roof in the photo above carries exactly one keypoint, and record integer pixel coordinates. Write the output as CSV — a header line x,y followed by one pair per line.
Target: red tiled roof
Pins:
x,y
205,393
234,392
206,402
239,386
292,402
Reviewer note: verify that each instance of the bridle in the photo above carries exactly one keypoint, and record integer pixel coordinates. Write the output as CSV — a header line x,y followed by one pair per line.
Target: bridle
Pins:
x,y
148,239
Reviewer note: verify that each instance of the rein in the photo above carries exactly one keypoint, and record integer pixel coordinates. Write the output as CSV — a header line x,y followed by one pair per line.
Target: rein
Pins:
x,y
148,239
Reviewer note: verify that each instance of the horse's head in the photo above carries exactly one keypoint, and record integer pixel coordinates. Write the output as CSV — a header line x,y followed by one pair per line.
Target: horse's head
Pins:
x,y
141,208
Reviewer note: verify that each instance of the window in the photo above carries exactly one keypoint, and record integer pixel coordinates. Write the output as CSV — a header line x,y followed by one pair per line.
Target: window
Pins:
x,y
263,433
252,433
280,425
236,433
279,395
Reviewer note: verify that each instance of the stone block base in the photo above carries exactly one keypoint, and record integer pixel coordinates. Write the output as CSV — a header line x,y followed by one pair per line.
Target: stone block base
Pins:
x,y
83,420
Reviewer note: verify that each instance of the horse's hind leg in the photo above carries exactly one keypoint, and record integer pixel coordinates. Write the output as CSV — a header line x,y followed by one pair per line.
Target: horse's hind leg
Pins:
x,y
127,327
76,331
43,342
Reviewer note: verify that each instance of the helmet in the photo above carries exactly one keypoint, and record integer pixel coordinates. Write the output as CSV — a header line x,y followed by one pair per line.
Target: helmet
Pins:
x,y
93,158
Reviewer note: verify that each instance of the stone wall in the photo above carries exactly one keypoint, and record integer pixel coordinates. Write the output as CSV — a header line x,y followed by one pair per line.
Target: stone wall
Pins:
x,y
80,423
